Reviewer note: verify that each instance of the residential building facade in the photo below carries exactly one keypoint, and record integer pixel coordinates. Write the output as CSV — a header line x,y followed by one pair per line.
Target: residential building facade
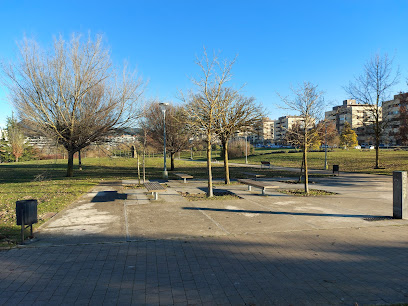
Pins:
x,y
264,133
282,125
359,116
394,119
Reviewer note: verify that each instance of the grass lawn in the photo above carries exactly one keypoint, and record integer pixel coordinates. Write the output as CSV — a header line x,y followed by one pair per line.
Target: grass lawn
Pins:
x,y
348,160
46,181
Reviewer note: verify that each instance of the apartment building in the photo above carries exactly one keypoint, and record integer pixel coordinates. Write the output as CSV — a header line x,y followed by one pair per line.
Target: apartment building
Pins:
x,y
393,120
359,116
263,133
282,125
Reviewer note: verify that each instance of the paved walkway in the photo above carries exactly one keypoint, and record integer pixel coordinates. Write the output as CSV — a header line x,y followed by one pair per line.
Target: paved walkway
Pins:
x,y
116,246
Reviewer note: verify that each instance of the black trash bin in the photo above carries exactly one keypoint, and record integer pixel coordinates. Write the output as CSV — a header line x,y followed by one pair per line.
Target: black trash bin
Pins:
x,y
336,169
26,213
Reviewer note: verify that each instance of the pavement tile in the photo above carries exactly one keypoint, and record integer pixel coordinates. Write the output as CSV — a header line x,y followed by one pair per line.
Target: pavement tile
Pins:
x,y
287,258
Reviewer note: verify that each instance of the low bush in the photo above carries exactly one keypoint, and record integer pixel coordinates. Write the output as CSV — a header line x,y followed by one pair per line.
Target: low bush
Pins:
x,y
237,149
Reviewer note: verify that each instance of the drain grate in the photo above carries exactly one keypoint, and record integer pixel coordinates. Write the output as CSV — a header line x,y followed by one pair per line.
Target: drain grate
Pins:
x,y
377,219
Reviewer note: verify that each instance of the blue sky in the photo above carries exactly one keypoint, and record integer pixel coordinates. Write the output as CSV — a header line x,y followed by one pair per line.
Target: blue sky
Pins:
x,y
279,43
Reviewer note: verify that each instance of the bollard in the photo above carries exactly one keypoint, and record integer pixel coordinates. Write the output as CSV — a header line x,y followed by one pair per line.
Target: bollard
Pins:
x,y
399,190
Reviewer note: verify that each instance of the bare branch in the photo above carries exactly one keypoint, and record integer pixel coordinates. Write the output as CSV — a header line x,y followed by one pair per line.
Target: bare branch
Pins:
x,y
372,88
72,92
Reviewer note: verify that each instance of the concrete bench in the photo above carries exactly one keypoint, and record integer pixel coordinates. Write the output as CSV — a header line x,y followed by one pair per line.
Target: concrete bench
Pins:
x,y
257,184
255,175
154,188
265,164
184,176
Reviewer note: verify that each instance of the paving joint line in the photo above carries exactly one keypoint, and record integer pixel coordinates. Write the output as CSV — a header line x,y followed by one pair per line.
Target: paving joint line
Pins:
x,y
126,220
212,220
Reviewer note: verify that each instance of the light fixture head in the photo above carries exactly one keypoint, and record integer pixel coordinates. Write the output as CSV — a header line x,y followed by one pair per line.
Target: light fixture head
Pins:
x,y
163,106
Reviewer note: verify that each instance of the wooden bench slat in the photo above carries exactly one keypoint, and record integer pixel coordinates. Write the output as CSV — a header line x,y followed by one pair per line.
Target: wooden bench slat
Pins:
x,y
257,184
184,175
154,186
256,175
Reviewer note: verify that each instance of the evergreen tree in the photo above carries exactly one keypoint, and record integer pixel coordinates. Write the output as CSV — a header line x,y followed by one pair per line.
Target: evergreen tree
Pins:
x,y
348,137
15,138
5,151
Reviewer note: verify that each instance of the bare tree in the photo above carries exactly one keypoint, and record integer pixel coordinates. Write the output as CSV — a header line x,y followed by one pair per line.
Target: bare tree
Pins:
x,y
239,113
71,93
328,133
177,134
308,104
204,103
144,138
372,88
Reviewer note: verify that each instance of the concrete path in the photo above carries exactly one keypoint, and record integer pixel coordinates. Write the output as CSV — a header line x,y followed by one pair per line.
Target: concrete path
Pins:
x,y
116,246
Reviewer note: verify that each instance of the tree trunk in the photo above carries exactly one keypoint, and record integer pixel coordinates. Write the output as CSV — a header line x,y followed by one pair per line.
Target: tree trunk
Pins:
x,y
79,160
138,167
172,155
377,132
226,166
209,172
306,170
377,143
301,171
144,165
70,167
377,156
144,157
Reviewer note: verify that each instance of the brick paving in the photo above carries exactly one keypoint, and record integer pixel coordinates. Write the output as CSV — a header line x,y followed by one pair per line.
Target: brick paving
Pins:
x,y
273,250
316,267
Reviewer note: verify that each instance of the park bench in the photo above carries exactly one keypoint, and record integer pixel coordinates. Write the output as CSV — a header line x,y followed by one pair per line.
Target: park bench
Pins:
x,y
257,184
184,176
255,175
265,164
154,188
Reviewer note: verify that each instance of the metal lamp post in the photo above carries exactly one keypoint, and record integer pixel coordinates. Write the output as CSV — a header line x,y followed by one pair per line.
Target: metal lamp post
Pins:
x,y
325,144
163,107
246,148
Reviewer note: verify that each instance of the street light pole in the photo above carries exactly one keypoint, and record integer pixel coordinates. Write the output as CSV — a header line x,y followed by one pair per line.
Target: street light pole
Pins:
x,y
325,144
163,107
246,148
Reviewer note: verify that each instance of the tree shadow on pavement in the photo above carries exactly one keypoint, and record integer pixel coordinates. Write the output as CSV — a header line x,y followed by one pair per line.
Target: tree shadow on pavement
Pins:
x,y
283,213
342,266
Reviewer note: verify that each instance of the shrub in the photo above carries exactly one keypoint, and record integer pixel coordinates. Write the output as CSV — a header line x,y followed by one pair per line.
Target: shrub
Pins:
x,y
215,147
237,149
